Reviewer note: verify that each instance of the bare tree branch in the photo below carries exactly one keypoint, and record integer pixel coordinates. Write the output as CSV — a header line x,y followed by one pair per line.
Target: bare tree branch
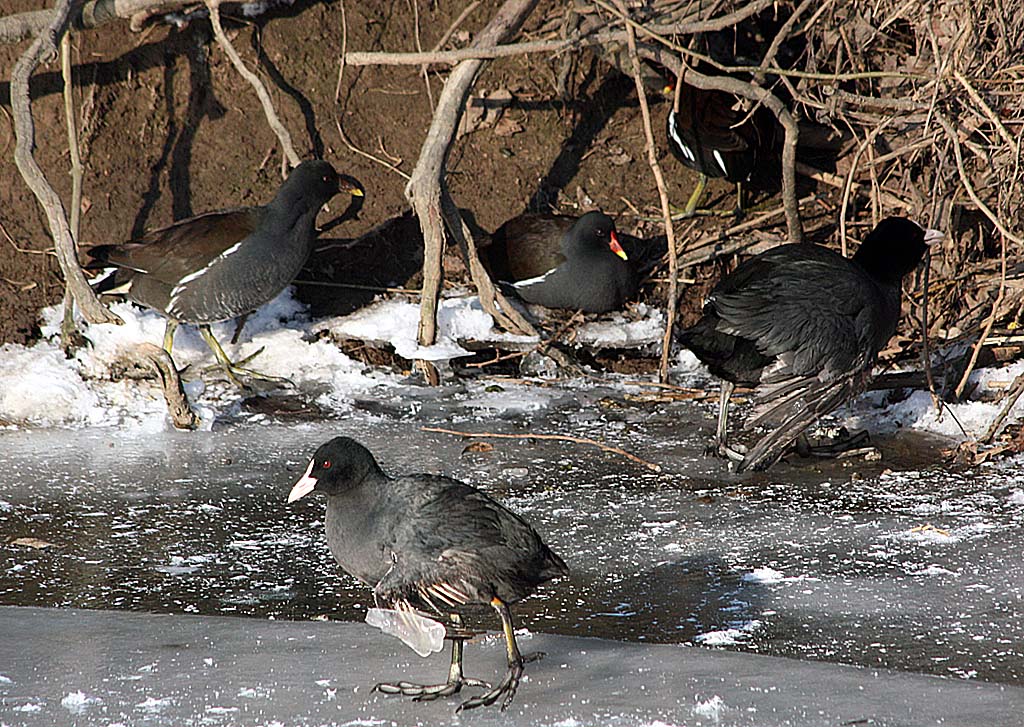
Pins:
x,y
666,211
45,46
151,356
261,91
18,27
424,190
557,45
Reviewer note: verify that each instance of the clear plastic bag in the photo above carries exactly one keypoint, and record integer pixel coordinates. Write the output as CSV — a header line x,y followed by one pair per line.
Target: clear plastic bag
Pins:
x,y
423,635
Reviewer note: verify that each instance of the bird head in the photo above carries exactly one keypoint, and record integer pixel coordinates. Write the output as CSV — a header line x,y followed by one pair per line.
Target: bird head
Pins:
x,y
592,232
338,465
313,183
894,248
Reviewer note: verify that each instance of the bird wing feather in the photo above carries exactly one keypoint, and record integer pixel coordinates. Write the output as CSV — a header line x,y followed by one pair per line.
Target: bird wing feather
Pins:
x,y
171,253
458,546
807,313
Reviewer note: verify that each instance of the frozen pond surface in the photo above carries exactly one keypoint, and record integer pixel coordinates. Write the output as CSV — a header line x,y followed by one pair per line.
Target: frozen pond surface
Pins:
x,y
107,668
881,565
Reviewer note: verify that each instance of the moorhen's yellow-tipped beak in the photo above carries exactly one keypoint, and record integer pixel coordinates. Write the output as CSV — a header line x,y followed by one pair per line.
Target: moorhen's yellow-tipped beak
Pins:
x,y
347,184
931,237
668,90
304,486
617,248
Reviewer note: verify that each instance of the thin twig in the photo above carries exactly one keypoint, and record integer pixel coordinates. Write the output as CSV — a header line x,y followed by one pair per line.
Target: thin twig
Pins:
x,y
1016,389
485,52
989,113
261,91
988,324
666,211
541,347
554,437
926,357
783,33
466,12
968,185
356,150
68,339
849,185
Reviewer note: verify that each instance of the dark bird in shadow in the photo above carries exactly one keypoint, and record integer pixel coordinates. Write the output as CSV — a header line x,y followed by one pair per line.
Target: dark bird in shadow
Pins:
x,y
562,262
803,325
711,133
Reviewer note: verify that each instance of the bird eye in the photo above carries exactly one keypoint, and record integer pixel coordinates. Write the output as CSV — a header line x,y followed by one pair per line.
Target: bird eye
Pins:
x,y
327,464
327,178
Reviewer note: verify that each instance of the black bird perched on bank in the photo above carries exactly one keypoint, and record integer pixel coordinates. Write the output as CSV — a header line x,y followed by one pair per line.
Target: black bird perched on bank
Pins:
x,y
224,264
803,325
581,266
429,542
710,135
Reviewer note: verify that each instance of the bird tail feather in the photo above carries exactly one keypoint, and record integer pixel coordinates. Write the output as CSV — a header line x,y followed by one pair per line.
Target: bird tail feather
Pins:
x,y
789,408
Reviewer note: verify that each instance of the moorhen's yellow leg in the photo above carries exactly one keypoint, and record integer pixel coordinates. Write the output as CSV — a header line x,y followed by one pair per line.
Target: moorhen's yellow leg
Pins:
x,y
506,690
169,329
232,370
691,204
456,679
692,210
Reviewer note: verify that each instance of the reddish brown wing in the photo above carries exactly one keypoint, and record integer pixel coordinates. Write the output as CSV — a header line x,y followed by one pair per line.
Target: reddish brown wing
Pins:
x,y
171,253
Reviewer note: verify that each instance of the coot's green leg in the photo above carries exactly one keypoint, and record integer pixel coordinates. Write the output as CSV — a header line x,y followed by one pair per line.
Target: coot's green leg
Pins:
x,y
506,690
456,679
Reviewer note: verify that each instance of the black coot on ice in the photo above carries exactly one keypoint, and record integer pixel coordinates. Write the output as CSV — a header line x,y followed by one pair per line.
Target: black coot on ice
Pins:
x,y
431,543
803,325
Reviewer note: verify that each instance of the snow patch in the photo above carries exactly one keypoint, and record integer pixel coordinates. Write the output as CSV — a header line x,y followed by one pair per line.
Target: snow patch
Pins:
x,y
709,708
78,701
764,575
931,570
731,636
396,322
29,707
40,387
618,331
1016,498
152,704
918,411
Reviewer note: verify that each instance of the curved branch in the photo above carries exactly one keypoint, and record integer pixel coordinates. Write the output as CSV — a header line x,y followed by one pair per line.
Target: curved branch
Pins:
x,y
484,52
18,27
261,91
45,46
425,188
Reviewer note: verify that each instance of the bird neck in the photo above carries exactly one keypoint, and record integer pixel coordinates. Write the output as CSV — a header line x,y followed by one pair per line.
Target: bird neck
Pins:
x,y
877,263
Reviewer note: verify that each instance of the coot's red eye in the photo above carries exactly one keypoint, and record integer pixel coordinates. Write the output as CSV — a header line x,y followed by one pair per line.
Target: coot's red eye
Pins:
x,y
327,464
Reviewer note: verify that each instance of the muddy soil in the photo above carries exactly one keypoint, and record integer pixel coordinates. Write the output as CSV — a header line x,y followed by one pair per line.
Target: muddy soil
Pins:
x,y
169,130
